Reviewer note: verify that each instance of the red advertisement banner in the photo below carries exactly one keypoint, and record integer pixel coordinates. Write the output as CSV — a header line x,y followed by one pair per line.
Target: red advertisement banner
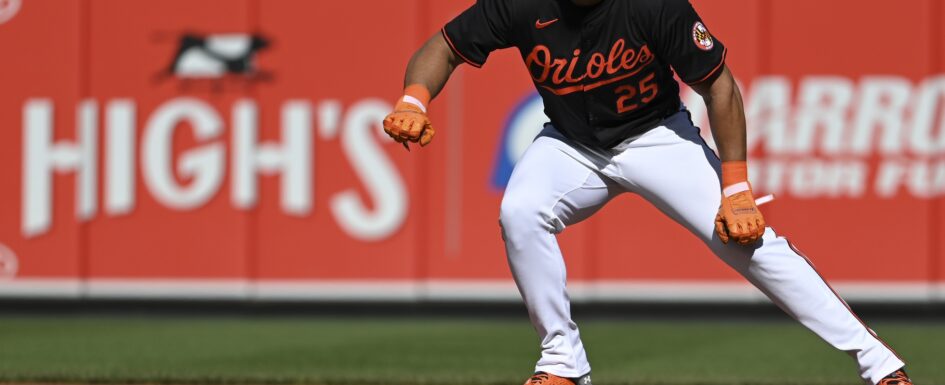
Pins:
x,y
233,149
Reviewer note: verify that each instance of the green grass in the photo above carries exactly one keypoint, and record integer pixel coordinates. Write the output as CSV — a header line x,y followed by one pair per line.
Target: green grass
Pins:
x,y
455,352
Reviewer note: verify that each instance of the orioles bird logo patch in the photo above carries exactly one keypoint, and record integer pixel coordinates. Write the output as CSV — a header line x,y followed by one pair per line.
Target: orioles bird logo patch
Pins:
x,y
702,37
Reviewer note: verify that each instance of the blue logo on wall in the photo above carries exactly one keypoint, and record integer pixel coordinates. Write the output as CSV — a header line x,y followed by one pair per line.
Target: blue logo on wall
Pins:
x,y
521,127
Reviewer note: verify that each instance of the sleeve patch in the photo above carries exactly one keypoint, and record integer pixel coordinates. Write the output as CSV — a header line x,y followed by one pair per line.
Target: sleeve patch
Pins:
x,y
702,37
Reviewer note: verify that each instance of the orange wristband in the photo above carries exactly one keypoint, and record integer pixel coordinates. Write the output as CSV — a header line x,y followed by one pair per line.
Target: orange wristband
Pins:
x,y
733,172
417,94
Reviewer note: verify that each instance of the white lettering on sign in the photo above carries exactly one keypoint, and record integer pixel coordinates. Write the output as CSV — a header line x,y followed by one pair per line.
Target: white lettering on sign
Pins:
x,y
189,178
120,157
204,165
292,158
8,9
928,119
836,137
42,156
383,184
818,137
9,263
881,115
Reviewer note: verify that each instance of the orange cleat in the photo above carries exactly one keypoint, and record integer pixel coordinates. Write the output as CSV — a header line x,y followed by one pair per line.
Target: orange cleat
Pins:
x,y
898,377
542,378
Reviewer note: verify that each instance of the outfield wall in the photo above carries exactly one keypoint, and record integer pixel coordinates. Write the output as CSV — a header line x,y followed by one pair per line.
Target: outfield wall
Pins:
x,y
135,166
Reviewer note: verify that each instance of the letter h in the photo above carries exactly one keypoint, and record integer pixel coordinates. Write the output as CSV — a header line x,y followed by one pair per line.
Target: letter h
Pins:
x,y
42,156
292,157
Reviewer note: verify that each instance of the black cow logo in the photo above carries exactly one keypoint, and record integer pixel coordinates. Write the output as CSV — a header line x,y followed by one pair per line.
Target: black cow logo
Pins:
x,y
217,59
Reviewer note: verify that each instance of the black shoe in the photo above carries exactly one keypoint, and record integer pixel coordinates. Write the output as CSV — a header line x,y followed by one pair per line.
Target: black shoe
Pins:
x,y
583,380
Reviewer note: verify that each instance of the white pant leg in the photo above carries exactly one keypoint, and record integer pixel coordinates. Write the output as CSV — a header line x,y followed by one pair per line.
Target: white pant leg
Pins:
x,y
674,169
552,186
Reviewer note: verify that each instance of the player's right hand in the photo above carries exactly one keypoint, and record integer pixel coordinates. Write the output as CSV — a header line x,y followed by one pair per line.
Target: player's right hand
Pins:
x,y
408,123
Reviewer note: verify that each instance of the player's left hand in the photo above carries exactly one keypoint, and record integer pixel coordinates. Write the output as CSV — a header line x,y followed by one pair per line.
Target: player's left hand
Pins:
x,y
739,219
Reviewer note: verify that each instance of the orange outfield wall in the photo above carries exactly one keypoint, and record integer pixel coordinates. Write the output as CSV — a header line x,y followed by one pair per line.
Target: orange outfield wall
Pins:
x,y
173,175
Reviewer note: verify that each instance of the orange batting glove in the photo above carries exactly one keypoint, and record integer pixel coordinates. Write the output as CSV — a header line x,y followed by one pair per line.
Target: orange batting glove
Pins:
x,y
409,121
738,217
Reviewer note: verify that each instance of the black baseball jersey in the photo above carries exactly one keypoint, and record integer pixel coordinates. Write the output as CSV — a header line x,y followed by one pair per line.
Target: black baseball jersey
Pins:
x,y
604,72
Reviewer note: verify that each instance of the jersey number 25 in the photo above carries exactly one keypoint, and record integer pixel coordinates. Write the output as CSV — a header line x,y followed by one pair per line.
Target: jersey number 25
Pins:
x,y
646,89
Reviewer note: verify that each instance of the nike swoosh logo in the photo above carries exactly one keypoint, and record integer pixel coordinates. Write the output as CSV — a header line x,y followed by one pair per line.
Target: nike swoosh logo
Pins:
x,y
539,24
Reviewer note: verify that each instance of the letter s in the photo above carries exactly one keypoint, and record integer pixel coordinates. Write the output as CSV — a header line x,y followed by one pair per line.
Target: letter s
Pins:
x,y
381,180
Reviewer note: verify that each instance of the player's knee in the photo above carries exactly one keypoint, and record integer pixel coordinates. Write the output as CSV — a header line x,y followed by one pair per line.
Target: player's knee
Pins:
x,y
513,210
519,214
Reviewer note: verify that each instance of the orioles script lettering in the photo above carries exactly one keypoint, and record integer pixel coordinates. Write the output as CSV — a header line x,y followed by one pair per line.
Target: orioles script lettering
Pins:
x,y
620,63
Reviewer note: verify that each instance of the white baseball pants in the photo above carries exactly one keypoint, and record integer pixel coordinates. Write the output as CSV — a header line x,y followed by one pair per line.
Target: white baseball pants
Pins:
x,y
558,183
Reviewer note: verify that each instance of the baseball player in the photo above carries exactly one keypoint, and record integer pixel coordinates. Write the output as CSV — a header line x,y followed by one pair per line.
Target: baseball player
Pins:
x,y
605,71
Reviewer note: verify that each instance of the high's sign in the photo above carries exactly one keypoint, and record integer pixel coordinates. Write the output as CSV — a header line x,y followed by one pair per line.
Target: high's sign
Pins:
x,y
233,148
192,177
